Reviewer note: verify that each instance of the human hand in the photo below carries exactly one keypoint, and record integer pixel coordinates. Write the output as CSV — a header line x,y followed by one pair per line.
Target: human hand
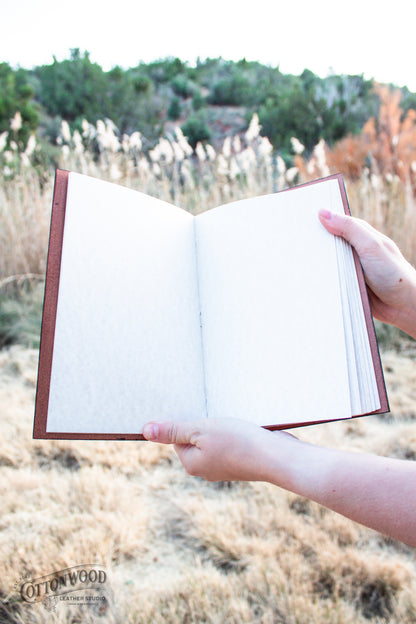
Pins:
x,y
390,278
376,491
224,449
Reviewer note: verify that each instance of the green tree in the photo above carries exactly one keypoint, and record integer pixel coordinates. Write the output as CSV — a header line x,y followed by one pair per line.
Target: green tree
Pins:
x,y
234,90
76,88
16,96
165,70
310,108
73,88
131,103
292,114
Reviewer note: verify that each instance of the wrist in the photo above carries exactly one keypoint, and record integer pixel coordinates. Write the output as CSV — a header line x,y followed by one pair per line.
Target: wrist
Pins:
x,y
297,466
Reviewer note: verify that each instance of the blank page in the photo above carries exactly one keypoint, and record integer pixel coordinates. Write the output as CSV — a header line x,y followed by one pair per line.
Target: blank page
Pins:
x,y
274,346
127,341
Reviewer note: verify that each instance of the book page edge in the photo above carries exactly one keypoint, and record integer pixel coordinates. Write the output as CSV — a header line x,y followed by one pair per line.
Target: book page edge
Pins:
x,y
374,348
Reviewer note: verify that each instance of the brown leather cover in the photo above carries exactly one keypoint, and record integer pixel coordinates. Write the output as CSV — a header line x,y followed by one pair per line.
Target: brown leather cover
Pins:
x,y
49,318
50,303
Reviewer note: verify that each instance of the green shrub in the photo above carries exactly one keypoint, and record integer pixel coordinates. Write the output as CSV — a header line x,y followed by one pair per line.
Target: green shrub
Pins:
x,y
142,84
182,86
196,129
16,97
234,90
20,316
73,88
198,101
174,110
164,70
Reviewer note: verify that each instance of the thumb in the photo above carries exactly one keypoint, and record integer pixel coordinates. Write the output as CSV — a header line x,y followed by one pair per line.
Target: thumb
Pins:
x,y
355,231
170,432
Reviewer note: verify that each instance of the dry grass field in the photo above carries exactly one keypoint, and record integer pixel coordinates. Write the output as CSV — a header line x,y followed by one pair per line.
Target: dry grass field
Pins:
x,y
178,549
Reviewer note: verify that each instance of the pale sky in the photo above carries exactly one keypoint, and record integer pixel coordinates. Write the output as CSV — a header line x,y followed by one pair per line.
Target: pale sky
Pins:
x,y
376,39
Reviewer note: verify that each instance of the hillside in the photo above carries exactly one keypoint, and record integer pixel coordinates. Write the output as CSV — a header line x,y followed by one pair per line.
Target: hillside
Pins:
x,y
210,100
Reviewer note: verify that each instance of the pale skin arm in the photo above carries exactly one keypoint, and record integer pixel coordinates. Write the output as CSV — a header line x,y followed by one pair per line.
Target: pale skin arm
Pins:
x,y
377,492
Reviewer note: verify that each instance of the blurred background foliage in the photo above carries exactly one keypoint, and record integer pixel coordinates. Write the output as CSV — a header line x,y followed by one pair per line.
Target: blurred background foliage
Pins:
x,y
149,95
17,94
196,136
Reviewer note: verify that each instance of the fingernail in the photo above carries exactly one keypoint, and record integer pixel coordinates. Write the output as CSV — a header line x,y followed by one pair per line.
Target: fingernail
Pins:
x,y
151,431
326,214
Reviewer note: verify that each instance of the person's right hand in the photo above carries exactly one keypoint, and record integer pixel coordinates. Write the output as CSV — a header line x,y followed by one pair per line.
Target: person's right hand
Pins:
x,y
390,278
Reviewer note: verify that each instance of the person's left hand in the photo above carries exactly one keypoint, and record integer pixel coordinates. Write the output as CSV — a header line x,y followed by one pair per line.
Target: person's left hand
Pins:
x,y
222,449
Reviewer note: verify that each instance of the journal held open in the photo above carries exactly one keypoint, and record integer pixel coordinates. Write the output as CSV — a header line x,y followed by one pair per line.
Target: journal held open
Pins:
x,y
249,310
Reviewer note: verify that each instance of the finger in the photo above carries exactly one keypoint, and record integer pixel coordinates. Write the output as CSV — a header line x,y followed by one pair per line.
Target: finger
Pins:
x,y
357,232
171,432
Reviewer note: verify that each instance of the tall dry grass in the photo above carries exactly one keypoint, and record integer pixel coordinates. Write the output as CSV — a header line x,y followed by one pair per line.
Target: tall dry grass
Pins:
x,y
379,168
25,206
177,549
172,170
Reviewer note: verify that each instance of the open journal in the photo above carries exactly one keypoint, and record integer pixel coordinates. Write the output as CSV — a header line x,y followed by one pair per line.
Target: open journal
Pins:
x,y
250,310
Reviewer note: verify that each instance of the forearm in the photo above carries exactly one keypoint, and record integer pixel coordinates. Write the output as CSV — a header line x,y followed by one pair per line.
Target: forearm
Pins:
x,y
375,491
407,318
